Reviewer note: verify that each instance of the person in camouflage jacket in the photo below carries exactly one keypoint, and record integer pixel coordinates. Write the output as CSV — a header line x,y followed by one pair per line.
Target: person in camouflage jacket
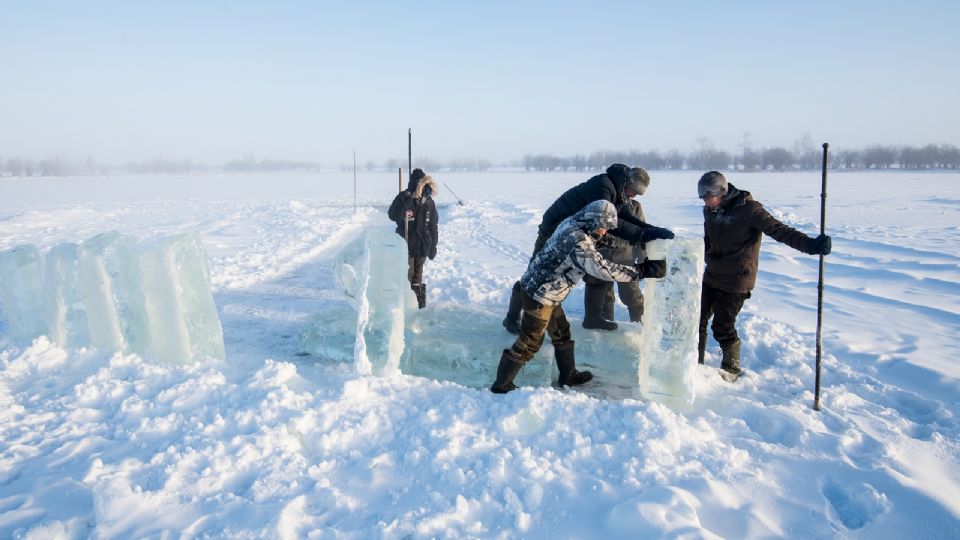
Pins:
x,y
568,255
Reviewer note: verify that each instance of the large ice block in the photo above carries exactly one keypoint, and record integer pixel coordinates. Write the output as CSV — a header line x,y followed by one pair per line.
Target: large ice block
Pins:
x,y
21,289
66,314
331,334
108,277
463,345
182,318
668,353
376,278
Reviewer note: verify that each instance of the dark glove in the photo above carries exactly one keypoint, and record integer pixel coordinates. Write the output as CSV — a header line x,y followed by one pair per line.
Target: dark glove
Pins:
x,y
821,245
433,253
655,233
652,269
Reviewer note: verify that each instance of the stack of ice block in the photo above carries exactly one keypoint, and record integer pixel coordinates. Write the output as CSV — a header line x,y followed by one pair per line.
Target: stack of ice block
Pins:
x,y
106,294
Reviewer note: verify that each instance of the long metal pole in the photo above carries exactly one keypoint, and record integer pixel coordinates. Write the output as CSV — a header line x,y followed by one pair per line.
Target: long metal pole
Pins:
x,y
399,179
823,225
354,180
409,151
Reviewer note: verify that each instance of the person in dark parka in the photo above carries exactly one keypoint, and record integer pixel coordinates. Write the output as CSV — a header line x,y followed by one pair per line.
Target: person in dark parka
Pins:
x,y
617,185
415,214
733,225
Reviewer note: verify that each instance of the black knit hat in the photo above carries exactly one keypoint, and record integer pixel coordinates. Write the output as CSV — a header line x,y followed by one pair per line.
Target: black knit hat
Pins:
x,y
416,175
711,184
638,180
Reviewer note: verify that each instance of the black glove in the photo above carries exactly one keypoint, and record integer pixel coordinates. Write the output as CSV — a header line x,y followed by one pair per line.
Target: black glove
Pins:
x,y
821,245
652,269
655,233
433,253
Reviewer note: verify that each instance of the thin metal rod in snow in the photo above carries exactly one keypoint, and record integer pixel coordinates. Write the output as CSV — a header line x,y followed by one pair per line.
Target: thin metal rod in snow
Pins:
x,y
399,179
454,194
354,180
823,225
409,151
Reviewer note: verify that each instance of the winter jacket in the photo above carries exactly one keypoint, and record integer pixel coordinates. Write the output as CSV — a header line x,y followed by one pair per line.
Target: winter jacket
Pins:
x,y
571,253
422,219
607,187
732,234
619,250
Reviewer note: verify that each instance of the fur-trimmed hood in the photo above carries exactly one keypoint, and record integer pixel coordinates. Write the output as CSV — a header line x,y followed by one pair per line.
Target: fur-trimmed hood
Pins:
x,y
416,191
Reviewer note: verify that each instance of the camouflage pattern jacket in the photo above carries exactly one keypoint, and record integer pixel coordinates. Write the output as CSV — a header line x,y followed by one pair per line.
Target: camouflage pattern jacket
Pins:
x,y
571,253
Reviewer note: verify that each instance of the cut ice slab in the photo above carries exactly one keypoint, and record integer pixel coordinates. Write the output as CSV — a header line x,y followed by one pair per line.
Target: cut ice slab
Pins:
x,y
181,314
66,314
668,354
462,345
21,289
108,277
373,273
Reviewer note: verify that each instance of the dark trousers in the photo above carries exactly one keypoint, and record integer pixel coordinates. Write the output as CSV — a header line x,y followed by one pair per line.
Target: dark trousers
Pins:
x,y
723,307
415,269
536,321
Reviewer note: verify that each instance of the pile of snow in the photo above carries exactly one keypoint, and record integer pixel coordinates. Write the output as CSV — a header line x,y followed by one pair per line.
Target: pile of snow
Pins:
x,y
272,443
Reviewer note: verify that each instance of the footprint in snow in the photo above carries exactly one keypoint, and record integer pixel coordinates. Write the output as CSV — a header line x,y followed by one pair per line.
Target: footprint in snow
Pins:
x,y
851,505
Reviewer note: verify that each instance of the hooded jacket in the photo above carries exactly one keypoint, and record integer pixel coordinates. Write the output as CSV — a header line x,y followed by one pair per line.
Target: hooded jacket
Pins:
x,y
421,229
607,187
570,253
732,234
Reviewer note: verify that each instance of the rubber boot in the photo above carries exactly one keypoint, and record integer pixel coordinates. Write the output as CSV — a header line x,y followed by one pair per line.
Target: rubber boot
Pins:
x,y
566,364
512,321
730,366
636,313
506,371
701,346
594,296
420,290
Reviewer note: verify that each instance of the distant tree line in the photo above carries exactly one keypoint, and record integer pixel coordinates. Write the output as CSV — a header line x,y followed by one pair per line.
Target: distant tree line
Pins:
x,y
802,157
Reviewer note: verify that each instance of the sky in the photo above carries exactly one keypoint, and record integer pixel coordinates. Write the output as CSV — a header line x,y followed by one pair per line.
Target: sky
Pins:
x,y
315,81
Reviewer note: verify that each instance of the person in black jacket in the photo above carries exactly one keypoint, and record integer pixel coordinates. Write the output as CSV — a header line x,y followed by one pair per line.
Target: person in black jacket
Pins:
x,y
617,185
416,217
733,224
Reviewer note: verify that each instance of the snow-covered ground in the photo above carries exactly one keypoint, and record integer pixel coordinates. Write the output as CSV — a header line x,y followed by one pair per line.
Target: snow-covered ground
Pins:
x,y
274,444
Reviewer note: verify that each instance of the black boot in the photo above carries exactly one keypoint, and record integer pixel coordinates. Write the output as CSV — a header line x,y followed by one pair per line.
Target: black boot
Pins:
x,y
506,371
512,321
594,296
420,290
636,313
730,366
701,346
569,376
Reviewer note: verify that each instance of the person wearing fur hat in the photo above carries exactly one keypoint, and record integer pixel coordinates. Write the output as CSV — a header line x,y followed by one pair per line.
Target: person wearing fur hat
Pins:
x,y
568,255
415,214
733,224
617,185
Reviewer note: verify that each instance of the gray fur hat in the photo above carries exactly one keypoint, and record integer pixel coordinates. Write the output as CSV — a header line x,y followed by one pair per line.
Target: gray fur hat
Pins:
x,y
711,184
638,180
599,214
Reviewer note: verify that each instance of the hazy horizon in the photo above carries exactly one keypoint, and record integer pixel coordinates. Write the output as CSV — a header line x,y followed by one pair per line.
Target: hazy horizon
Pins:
x,y
214,82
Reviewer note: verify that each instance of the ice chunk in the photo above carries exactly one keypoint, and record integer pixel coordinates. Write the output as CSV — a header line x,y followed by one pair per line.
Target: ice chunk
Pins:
x,y
672,310
382,301
108,277
463,345
181,315
21,289
331,334
66,314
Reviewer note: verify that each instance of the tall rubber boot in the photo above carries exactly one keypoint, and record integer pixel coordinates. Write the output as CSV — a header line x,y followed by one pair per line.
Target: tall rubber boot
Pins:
x,y
636,312
566,364
512,321
701,346
420,290
594,296
506,371
730,366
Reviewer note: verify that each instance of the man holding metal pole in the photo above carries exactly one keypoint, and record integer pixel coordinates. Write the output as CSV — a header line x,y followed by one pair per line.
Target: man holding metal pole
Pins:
x,y
415,214
733,224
